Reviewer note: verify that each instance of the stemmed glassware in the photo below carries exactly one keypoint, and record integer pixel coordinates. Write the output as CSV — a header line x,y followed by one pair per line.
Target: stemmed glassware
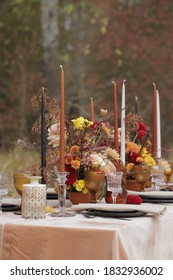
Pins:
x,y
157,176
94,181
61,179
142,175
114,181
168,171
4,179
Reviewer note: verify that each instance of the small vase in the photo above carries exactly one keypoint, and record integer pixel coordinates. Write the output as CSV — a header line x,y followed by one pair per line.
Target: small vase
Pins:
x,y
34,199
78,197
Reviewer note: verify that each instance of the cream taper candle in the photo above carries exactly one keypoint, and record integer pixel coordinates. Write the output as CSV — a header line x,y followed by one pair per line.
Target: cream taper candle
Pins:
x,y
123,124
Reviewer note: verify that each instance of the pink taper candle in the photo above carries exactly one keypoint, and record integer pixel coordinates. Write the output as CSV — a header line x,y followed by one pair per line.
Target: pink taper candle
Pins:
x,y
62,123
116,146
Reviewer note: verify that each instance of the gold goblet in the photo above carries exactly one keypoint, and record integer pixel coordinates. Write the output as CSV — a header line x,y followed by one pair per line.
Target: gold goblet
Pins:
x,y
168,171
142,175
94,180
19,179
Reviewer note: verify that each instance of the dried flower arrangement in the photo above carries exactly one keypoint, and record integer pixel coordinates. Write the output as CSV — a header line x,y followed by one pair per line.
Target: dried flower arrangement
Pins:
x,y
88,145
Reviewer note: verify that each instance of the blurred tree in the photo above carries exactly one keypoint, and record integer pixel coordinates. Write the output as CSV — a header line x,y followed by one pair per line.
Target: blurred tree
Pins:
x,y
96,42
50,41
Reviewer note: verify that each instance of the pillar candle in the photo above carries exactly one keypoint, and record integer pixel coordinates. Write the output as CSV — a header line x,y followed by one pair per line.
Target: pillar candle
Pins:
x,y
123,124
116,145
43,135
158,126
92,110
62,123
154,129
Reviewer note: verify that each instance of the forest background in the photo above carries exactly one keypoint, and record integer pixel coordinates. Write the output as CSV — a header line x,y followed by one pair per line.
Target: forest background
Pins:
x,y
97,42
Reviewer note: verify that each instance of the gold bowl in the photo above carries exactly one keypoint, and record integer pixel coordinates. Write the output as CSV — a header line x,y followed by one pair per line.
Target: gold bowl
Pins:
x,y
19,180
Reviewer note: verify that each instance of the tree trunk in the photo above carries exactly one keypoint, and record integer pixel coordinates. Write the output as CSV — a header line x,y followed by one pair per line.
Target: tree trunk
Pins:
x,y
50,37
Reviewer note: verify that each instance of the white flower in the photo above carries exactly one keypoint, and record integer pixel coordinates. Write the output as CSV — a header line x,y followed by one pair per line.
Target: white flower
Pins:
x,y
103,164
107,166
103,112
95,160
53,135
112,153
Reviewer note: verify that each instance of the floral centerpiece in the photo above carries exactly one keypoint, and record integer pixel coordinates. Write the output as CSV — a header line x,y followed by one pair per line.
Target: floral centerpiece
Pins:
x,y
89,145
138,144
139,158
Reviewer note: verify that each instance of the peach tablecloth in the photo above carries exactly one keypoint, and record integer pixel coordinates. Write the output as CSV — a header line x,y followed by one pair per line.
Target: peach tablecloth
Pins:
x,y
72,238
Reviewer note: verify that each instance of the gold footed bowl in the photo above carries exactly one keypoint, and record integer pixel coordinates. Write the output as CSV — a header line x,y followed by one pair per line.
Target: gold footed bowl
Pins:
x,y
94,182
19,180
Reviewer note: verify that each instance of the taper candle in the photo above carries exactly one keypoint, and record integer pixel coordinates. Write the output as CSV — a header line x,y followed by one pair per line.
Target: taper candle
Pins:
x,y
154,130
116,145
92,110
136,104
123,124
158,127
62,123
43,135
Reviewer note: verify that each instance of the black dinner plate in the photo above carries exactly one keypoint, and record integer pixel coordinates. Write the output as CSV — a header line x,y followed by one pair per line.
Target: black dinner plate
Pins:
x,y
52,196
10,208
156,200
114,214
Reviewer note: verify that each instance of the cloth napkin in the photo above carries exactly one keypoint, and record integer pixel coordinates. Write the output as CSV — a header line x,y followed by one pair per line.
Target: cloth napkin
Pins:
x,y
148,208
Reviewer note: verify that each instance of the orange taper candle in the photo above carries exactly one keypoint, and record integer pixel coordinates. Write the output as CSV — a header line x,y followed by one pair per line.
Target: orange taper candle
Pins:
x,y
116,145
92,110
154,130
62,124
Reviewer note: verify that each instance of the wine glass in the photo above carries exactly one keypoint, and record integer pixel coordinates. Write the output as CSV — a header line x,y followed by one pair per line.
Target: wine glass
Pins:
x,y
157,176
4,178
94,181
114,180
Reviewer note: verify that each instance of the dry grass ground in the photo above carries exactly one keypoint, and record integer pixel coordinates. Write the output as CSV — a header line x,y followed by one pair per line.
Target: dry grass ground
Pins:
x,y
16,159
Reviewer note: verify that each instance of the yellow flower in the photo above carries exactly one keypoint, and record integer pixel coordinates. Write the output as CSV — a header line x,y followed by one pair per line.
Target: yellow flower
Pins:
x,y
129,167
106,130
144,152
149,160
80,122
80,186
